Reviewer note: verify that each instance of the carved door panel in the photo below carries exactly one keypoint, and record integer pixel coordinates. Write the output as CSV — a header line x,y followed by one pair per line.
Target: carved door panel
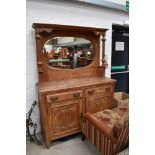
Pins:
x,y
65,118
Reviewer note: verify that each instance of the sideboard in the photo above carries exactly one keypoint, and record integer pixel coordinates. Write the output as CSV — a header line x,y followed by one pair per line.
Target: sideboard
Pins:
x,y
65,95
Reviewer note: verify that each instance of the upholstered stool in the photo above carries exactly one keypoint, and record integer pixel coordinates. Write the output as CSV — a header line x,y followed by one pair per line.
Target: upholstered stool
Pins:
x,y
108,130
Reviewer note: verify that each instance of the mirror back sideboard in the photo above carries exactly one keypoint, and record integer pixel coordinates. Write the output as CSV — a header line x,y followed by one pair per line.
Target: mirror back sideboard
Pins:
x,y
65,95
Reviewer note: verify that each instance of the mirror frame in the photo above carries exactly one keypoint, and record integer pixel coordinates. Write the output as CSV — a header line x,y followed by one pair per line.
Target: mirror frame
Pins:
x,y
44,32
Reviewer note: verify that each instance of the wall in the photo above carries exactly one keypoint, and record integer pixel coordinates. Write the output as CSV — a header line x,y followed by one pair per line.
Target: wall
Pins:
x,y
68,13
123,2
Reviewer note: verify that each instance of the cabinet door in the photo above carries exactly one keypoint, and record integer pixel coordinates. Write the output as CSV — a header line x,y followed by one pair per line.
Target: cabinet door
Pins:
x,y
65,118
98,102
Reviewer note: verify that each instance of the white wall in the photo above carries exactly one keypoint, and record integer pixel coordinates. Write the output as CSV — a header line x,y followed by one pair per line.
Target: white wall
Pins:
x,y
123,2
62,13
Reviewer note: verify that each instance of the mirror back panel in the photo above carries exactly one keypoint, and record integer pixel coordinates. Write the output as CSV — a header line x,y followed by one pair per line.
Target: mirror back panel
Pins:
x,y
68,52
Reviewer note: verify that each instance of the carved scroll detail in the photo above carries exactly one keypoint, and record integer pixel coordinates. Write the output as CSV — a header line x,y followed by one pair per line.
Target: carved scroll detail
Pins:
x,y
38,36
41,32
40,64
97,33
103,36
103,47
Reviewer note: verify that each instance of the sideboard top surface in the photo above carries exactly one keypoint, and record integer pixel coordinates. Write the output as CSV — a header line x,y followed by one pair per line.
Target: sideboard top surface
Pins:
x,y
73,83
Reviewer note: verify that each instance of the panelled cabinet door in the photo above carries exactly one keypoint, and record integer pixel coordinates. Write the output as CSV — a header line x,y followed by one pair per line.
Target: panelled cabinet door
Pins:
x,y
65,119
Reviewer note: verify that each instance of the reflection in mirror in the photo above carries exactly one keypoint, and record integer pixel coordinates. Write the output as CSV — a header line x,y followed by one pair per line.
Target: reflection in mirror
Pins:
x,y
68,52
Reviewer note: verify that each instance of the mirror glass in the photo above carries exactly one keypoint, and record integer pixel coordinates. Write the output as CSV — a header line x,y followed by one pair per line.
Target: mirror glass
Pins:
x,y
68,52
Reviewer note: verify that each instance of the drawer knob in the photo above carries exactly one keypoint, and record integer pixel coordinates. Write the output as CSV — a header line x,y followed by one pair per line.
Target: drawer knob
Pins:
x,y
76,95
90,92
107,89
55,98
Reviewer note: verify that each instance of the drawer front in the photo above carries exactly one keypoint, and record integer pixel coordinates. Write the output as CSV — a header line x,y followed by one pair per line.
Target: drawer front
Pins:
x,y
106,96
63,96
97,90
99,102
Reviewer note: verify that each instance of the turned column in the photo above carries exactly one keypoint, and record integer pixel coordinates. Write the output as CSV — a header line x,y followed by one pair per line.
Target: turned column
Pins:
x,y
103,47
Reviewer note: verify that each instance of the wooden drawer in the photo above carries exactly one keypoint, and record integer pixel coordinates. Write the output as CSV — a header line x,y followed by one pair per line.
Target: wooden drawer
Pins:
x,y
101,95
64,96
99,102
101,89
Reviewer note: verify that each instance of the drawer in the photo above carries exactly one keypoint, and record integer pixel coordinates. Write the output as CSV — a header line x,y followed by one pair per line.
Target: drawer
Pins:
x,y
96,105
99,102
101,89
101,95
64,96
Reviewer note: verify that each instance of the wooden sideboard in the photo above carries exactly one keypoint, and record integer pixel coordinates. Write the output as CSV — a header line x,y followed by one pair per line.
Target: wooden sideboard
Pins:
x,y
65,95
64,103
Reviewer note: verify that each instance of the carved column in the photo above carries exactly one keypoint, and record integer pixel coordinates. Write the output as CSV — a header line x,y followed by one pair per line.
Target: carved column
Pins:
x,y
39,33
103,47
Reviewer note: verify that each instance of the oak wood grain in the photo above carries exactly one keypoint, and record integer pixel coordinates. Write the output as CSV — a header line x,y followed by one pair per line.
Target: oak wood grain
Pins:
x,y
65,95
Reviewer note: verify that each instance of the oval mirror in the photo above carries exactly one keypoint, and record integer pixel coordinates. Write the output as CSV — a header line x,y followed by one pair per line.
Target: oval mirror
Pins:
x,y
68,52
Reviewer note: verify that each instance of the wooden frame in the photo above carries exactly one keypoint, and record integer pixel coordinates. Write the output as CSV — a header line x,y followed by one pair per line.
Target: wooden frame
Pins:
x,y
44,32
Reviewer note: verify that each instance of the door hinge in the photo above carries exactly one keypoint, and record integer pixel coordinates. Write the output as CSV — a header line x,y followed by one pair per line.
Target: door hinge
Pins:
x,y
82,117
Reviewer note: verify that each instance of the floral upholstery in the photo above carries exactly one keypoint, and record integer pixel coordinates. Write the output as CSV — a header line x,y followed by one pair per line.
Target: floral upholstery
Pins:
x,y
115,118
108,130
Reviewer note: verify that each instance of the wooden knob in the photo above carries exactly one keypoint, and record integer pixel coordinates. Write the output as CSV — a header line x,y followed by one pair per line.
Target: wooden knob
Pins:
x,y
107,89
90,92
54,98
76,95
